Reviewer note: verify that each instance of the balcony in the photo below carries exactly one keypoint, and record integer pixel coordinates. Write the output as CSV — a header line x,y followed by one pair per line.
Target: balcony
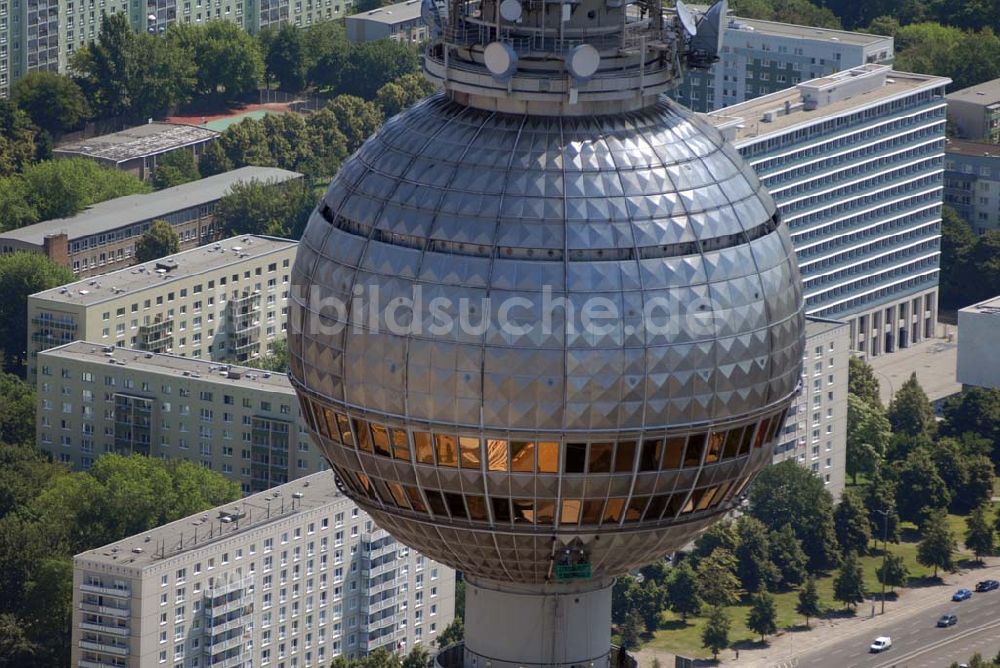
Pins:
x,y
231,662
237,623
107,591
121,613
120,650
105,628
87,663
225,645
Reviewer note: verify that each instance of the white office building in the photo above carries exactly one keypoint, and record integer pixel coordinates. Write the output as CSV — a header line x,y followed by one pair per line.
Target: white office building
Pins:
x,y
763,57
289,578
855,162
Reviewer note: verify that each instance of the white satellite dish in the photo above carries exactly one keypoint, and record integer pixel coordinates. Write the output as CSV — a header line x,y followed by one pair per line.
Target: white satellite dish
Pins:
x,y
501,60
582,61
510,10
687,19
151,17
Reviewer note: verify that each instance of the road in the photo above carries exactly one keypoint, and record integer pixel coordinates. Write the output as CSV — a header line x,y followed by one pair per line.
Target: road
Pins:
x,y
917,642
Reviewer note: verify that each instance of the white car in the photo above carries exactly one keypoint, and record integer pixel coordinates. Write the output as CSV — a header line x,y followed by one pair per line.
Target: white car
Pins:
x,y
881,644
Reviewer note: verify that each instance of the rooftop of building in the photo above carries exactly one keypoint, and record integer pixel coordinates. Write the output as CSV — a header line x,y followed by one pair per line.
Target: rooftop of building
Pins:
x,y
784,109
990,306
123,211
986,93
162,364
156,273
150,548
816,326
138,142
972,148
810,33
398,13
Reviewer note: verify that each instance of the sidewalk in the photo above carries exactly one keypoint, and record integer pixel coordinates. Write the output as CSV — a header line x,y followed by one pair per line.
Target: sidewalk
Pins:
x,y
784,647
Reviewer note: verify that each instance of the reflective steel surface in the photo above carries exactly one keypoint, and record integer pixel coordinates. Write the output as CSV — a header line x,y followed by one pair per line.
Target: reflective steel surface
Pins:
x,y
544,440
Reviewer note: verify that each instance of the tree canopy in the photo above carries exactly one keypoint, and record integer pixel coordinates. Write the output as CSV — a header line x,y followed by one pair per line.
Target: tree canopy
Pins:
x,y
54,102
23,274
910,411
160,240
260,207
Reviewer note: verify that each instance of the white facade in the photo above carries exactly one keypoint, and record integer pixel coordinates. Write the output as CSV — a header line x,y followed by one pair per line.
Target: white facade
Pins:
x,y
292,577
815,432
762,57
855,163
978,352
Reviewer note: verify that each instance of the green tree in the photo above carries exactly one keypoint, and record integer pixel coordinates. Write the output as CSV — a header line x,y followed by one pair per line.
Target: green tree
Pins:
x,y
214,160
852,523
763,616
63,188
246,143
402,93
23,274
880,502
632,630
160,240
328,142
722,534
715,634
48,610
960,286
920,488
798,12
373,64
910,411
418,657
624,597
103,66
937,548
788,555
261,207
357,119
893,572
868,435
718,582
17,411
24,470
808,603
754,568
787,493
228,60
460,598
175,168
285,58
684,591
451,634
849,585
327,53
862,383
17,147
15,647
288,140
54,102
652,601
979,536
975,411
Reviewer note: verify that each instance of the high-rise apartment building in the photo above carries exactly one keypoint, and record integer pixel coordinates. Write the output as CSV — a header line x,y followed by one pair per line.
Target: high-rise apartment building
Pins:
x,y
855,162
104,236
763,57
243,423
972,182
975,112
294,576
43,34
225,302
815,431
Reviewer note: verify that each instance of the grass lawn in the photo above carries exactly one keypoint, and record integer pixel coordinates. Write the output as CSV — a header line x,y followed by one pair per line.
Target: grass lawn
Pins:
x,y
684,638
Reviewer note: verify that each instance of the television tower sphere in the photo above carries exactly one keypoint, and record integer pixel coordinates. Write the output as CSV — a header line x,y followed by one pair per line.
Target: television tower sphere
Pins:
x,y
546,324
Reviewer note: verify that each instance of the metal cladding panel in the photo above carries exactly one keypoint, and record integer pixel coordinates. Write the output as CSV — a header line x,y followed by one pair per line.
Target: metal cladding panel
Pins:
x,y
459,392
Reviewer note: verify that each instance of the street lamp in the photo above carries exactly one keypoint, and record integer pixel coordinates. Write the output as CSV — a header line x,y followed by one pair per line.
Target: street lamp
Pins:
x,y
885,550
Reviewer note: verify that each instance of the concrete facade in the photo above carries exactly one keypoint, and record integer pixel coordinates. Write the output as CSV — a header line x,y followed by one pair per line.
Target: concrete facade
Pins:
x,y
815,431
104,237
975,112
855,163
978,353
400,22
972,182
224,302
294,576
763,57
243,423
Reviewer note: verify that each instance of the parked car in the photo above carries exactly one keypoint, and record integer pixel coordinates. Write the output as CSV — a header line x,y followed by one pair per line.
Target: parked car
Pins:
x,y
987,585
880,644
961,595
948,619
